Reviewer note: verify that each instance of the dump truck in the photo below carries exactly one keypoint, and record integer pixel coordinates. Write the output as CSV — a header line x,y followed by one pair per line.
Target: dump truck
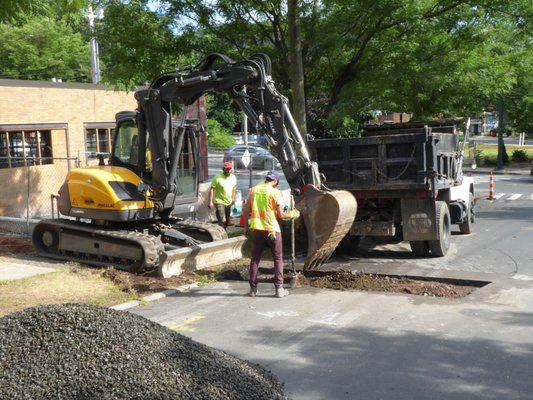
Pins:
x,y
408,180
124,214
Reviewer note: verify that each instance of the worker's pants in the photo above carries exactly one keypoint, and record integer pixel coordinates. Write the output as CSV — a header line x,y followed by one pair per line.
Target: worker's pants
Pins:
x,y
222,213
260,239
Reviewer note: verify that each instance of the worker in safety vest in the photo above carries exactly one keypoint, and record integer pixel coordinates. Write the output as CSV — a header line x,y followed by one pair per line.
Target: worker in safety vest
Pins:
x,y
263,210
222,194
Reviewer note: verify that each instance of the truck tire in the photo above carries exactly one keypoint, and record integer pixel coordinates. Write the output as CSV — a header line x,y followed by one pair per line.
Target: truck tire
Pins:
x,y
440,247
420,248
466,227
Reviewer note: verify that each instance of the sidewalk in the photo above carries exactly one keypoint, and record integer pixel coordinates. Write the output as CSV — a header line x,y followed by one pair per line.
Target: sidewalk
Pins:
x,y
523,169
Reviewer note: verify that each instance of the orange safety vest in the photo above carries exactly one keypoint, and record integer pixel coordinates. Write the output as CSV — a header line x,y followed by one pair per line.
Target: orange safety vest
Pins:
x,y
265,200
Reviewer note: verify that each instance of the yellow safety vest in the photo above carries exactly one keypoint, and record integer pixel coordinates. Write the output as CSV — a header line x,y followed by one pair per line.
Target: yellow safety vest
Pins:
x,y
265,200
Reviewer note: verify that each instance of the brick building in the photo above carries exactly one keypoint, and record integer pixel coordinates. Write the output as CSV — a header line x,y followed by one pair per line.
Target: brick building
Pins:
x,y
44,126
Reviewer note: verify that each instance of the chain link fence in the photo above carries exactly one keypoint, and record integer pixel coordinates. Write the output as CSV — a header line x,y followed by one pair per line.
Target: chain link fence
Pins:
x,y
28,185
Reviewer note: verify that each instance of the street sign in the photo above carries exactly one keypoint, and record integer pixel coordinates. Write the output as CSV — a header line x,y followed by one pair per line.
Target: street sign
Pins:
x,y
246,158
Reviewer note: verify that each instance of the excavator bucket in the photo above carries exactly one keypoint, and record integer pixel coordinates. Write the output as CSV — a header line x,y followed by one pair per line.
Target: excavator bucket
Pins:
x,y
328,216
174,262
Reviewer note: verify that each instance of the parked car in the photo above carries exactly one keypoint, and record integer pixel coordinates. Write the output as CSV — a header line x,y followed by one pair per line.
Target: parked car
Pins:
x,y
260,157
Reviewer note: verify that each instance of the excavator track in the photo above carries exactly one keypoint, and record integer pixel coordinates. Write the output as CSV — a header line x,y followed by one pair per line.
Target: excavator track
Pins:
x,y
135,251
200,230
64,239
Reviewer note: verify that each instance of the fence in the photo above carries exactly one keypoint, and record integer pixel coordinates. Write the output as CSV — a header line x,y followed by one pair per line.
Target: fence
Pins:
x,y
28,185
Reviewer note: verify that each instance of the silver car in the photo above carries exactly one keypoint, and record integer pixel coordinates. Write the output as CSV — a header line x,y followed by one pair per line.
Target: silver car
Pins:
x,y
260,157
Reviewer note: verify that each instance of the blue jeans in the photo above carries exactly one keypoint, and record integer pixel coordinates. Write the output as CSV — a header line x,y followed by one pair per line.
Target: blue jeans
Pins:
x,y
260,239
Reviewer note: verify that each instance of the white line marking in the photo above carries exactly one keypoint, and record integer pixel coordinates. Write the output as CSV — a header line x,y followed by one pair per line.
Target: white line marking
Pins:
x,y
515,196
498,196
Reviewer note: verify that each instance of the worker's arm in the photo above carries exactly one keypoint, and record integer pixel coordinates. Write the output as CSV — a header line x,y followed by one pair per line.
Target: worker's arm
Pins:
x,y
211,192
288,214
282,214
233,193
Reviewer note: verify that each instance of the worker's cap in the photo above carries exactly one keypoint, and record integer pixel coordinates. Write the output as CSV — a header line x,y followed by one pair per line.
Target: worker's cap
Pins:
x,y
228,165
273,175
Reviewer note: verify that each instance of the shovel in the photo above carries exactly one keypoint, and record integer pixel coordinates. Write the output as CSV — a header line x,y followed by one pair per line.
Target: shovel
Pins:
x,y
295,275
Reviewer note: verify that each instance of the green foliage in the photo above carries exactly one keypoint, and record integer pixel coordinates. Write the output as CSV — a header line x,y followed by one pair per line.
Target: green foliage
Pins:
x,y
429,58
480,158
220,107
137,45
519,156
218,138
44,48
18,11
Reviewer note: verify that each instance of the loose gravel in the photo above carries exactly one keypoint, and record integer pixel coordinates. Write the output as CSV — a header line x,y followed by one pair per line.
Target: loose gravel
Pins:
x,y
79,351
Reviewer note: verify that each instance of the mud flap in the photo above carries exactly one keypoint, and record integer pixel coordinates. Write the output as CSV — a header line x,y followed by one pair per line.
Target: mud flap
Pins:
x,y
328,216
174,262
419,219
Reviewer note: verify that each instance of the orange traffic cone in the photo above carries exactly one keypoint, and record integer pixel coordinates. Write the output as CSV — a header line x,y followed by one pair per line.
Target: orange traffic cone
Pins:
x,y
241,218
491,187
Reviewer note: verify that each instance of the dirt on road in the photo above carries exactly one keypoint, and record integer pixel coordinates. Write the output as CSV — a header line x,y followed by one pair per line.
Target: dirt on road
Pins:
x,y
137,286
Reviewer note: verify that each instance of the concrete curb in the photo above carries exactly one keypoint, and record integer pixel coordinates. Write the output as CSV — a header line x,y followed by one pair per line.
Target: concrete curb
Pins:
x,y
495,171
154,296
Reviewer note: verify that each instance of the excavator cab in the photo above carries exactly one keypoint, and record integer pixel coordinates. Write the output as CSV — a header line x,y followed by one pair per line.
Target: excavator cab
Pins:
x,y
131,150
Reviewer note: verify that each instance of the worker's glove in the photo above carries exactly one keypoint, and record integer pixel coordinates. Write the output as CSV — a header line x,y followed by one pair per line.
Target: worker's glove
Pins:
x,y
294,214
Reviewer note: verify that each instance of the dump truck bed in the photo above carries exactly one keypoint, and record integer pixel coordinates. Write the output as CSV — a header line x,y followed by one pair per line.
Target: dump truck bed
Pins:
x,y
401,161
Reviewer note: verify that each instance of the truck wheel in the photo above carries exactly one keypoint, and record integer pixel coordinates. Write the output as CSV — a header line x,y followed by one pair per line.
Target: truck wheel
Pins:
x,y
466,227
440,247
420,248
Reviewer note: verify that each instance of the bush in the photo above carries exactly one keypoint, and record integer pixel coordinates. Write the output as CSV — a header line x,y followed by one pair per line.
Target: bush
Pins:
x,y
218,138
519,156
480,158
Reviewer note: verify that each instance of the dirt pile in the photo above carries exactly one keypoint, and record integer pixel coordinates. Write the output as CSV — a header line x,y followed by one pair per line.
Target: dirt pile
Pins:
x,y
75,351
15,245
346,280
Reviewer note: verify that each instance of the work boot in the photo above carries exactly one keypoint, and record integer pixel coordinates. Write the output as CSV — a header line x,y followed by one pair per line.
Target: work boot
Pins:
x,y
281,292
253,291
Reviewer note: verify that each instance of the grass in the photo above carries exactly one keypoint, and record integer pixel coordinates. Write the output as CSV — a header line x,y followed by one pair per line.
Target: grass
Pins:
x,y
56,288
487,155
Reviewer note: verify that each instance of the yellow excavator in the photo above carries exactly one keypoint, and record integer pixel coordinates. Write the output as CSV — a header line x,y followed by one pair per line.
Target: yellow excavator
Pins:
x,y
127,214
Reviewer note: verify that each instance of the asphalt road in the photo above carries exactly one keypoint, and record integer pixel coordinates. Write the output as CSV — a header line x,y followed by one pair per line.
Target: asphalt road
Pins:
x,y
328,344
501,242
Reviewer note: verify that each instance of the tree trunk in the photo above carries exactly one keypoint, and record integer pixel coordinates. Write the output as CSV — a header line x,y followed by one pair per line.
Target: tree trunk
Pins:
x,y
296,67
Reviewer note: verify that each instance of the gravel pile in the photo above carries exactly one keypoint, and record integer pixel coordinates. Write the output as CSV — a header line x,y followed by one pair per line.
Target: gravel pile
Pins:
x,y
77,351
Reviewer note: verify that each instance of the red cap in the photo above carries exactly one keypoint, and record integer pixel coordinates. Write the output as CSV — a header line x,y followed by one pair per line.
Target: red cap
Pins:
x,y
228,165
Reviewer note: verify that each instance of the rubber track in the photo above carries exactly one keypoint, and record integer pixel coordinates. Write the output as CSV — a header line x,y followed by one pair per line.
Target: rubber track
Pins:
x,y
215,231
151,246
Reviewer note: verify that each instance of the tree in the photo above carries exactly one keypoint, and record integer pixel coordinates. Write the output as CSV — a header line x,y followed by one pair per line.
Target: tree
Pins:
x,y
16,11
43,48
296,69
431,58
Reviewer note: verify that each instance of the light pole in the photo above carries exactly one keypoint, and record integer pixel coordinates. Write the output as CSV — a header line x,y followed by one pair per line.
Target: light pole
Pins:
x,y
95,63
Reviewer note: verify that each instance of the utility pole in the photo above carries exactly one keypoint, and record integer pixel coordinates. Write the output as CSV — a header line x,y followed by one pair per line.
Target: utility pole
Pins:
x,y
95,62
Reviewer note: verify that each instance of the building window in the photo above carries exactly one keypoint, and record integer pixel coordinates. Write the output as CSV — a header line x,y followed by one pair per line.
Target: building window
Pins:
x,y
24,148
98,140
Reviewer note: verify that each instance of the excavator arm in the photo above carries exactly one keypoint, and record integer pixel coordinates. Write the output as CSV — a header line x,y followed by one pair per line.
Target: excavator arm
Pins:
x,y
328,215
